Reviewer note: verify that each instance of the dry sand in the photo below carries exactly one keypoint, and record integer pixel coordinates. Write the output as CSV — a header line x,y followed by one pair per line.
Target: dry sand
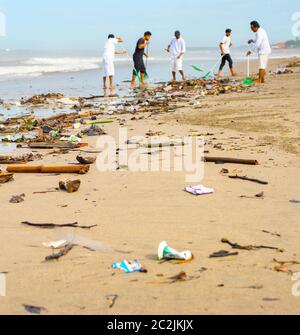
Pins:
x,y
136,211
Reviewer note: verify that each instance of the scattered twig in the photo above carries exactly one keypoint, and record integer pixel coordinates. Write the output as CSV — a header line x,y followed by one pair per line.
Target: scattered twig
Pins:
x,y
269,232
281,267
111,299
249,247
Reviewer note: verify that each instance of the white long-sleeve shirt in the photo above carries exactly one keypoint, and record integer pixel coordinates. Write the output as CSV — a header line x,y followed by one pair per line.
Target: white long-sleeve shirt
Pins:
x,y
177,47
110,49
261,43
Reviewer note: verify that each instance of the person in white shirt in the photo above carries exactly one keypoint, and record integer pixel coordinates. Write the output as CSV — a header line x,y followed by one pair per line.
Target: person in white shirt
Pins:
x,y
108,60
260,45
177,48
225,46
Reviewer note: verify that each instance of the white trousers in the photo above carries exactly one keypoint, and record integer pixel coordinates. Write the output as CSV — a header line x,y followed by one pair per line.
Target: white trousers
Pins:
x,y
177,64
263,61
108,68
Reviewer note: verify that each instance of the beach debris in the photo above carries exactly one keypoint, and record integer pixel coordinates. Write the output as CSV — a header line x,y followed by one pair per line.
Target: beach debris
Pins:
x,y
267,299
86,160
180,277
16,199
19,159
71,186
282,266
80,169
60,254
53,225
71,138
129,266
224,171
6,177
95,122
254,287
296,202
294,64
260,195
54,190
93,130
56,145
111,299
282,70
273,234
41,99
199,190
249,247
34,309
231,160
167,253
249,179
55,244
162,145
223,253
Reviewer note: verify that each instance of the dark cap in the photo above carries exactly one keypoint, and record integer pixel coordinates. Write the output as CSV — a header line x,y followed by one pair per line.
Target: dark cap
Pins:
x,y
177,33
148,33
111,36
228,30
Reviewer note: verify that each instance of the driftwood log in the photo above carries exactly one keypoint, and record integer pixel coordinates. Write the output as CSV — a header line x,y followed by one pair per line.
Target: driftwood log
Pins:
x,y
80,169
231,160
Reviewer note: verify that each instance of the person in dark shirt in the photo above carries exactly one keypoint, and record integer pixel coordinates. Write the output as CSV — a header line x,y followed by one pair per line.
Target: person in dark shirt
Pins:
x,y
138,59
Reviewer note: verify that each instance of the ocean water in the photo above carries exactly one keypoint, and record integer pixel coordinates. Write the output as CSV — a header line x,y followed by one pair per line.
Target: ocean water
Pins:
x,y
25,73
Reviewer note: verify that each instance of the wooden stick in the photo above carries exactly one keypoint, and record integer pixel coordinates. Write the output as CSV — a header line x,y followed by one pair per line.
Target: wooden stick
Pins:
x,y
80,169
231,160
52,225
57,145
60,254
250,179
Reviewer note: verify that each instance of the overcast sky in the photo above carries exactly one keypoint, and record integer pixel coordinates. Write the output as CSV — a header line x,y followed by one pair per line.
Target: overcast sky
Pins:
x,y
84,25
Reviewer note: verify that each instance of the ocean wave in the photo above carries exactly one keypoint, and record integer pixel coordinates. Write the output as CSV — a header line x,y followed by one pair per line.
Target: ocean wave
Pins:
x,y
38,66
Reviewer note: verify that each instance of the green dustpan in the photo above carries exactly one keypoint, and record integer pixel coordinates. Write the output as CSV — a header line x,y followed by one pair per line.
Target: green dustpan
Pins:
x,y
208,74
138,76
248,81
197,68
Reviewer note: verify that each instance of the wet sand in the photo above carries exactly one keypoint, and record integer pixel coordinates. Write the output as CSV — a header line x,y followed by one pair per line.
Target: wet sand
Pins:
x,y
136,211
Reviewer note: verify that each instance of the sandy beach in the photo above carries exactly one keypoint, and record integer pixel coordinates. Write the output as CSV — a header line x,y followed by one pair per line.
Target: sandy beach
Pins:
x,y
134,212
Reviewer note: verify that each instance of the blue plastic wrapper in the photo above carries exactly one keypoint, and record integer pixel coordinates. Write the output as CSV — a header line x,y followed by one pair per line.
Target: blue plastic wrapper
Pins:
x,y
128,266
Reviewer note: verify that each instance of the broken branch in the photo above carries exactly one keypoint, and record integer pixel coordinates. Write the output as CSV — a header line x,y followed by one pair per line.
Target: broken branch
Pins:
x,y
249,179
52,225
